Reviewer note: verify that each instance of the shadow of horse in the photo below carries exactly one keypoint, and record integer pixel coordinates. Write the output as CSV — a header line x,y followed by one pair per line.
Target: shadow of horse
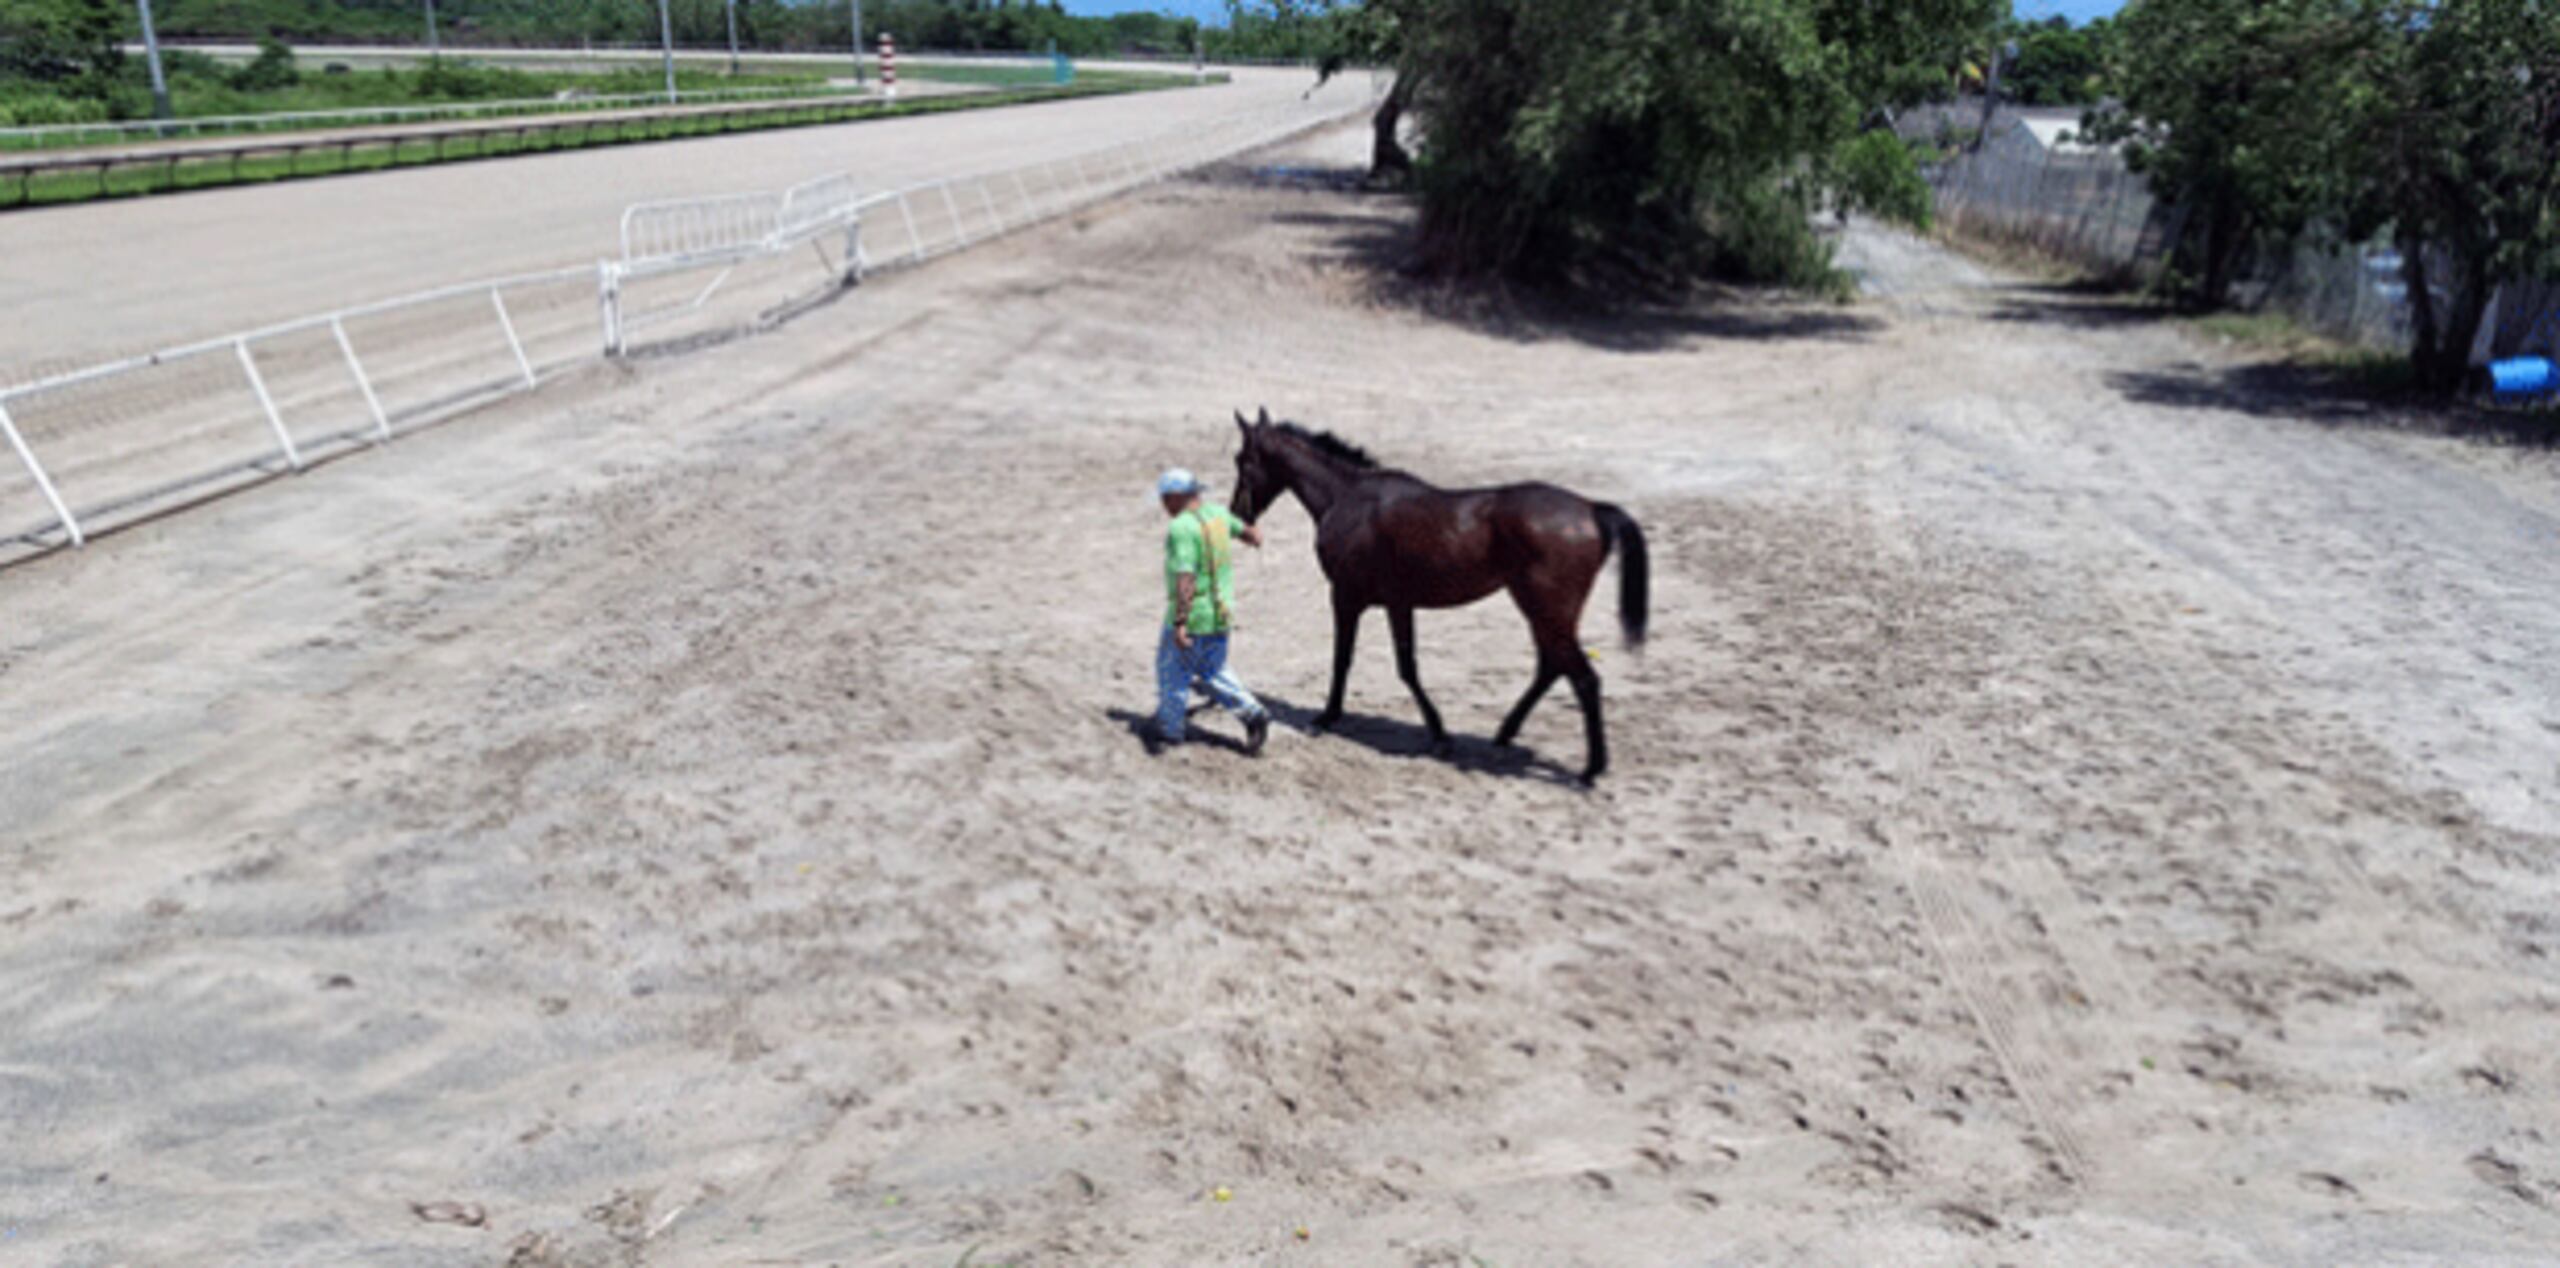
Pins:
x,y
1394,737
1387,737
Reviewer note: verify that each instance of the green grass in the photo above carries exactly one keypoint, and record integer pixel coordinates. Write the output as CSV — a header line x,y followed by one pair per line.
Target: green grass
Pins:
x,y
628,83
981,73
211,171
2279,337
367,91
455,82
202,88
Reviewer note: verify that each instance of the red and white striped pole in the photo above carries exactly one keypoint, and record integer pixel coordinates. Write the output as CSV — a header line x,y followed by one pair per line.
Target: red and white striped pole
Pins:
x,y
888,65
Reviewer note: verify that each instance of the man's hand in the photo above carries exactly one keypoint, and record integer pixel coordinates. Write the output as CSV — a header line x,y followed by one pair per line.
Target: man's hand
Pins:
x,y
1251,536
1186,588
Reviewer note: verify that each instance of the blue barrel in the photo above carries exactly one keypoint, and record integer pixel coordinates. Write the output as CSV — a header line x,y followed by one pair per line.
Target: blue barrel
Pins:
x,y
2523,376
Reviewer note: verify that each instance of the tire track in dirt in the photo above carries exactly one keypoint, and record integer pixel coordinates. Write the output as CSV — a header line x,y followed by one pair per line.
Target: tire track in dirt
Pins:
x,y
2030,1041
2256,969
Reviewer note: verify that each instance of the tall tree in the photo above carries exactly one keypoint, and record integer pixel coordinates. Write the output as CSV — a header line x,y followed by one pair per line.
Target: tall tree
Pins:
x,y
76,44
2460,149
2240,111
1654,135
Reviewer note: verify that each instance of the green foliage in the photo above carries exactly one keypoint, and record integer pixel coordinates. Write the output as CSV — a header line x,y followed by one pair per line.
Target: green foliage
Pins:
x,y
1878,173
459,79
2457,133
271,70
2058,64
36,110
71,48
1650,138
2240,110
764,24
2436,120
1898,54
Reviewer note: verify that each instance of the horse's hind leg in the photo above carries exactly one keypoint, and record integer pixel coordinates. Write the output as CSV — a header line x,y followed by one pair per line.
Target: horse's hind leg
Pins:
x,y
1400,620
1586,689
1552,622
1547,675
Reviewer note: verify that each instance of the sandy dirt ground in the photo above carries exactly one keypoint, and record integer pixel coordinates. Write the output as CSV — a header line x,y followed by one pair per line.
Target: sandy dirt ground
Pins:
x,y
2073,809
112,279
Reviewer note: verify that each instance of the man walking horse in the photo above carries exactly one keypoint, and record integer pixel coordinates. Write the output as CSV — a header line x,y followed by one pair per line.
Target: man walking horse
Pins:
x,y
1200,599
1387,539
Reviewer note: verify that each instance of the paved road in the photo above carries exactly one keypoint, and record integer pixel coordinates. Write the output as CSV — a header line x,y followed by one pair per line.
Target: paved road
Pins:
x,y
109,279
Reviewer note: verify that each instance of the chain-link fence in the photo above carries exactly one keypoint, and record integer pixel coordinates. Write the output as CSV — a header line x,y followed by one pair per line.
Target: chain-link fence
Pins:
x,y
2081,204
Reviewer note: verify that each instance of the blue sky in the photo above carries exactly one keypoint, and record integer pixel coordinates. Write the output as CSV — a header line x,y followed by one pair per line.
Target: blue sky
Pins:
x,y
2076,10
1216,10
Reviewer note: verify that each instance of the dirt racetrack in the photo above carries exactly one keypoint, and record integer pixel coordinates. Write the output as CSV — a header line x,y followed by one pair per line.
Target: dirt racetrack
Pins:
x,y
2077,807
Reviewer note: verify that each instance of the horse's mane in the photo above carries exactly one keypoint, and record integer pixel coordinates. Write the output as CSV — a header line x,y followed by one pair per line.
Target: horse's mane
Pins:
x,y
1330,445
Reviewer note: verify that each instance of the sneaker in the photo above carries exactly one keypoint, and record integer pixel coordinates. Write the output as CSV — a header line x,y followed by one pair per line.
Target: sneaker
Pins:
x,y
1153,738
1256,729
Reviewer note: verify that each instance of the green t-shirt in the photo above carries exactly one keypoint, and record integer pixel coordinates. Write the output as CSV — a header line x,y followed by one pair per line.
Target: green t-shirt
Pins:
x,y
1201,541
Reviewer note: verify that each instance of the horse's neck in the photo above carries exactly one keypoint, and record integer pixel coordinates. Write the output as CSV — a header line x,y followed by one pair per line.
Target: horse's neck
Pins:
x,y
1317,482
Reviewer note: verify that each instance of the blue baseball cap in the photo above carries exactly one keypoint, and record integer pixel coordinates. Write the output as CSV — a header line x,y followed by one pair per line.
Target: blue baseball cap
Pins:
x,y
1177,482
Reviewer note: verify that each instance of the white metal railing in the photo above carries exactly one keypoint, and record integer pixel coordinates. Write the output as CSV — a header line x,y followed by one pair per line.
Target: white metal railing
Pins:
x,y
725,230
724,222
281,369
273,398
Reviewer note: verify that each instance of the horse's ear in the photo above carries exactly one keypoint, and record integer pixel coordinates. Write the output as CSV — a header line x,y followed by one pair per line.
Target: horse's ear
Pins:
x,y
1243,426
1266,415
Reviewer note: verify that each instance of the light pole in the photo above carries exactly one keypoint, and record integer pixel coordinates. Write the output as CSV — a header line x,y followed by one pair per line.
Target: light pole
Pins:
x,y
667,48
857,43
733,39
1991,91
151,49
431,28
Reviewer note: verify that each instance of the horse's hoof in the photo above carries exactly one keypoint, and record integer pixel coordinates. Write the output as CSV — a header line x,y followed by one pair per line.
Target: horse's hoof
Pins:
x,y
1443,749
1324,723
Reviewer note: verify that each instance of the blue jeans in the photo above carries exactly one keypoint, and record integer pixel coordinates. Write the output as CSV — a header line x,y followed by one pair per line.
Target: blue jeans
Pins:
x,y
1206,664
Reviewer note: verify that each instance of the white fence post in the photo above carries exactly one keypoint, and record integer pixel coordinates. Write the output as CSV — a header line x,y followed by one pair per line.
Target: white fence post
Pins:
x,y
959,231
988,197
44,483
914,238
609,300
514,344
381,421
258,384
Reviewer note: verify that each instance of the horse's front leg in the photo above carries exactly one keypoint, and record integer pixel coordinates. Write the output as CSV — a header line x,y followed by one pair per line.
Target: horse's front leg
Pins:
x,y
1400,621
1346,633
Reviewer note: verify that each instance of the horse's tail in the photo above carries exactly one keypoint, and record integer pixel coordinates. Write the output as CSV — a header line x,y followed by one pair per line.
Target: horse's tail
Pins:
x,y
1620,530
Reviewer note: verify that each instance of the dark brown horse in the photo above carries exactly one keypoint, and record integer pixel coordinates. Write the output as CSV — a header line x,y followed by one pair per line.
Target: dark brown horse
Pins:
x,y
1389,540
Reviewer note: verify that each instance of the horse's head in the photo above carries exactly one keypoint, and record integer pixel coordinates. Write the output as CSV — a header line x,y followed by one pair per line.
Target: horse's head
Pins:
x,y
1259,477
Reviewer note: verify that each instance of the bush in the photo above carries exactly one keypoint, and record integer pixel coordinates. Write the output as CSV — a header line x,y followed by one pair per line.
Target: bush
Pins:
x,y
271,71
445,79
1761,235
1877,173
44,111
